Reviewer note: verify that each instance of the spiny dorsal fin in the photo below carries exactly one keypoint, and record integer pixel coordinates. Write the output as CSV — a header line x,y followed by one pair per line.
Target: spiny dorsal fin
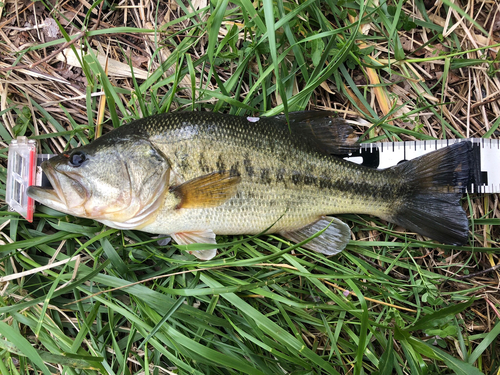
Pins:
x,y
210,190
322,129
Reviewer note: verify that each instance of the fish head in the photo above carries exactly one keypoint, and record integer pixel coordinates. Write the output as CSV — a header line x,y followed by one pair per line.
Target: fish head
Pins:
x,y
112,180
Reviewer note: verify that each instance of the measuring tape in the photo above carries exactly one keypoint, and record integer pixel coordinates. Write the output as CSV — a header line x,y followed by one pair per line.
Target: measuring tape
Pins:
x,y
388,154
24,165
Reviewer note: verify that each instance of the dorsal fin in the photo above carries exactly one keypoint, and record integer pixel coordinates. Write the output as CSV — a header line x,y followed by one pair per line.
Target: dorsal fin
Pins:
x,y
324,130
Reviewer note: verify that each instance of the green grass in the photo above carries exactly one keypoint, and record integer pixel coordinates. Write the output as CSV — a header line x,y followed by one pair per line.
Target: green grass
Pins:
x,y
115,302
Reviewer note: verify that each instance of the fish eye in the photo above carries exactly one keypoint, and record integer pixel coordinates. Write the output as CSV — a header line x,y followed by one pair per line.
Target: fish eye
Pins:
x,y
77,158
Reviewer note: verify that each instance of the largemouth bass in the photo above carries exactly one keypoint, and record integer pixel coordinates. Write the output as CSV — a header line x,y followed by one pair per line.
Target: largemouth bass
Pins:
x,y
193,175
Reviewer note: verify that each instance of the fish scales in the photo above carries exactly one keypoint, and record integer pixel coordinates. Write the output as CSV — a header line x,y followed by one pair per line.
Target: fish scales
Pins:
x,y
197,174
282,177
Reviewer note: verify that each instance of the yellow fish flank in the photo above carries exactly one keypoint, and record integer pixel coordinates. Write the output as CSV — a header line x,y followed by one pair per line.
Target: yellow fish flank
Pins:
x,y
194,175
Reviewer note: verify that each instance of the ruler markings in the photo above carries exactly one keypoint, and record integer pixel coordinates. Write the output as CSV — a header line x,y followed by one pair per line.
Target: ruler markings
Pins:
x,y
387,154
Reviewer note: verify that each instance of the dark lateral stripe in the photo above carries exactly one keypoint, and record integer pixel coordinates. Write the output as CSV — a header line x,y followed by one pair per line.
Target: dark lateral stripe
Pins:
x,y
366,189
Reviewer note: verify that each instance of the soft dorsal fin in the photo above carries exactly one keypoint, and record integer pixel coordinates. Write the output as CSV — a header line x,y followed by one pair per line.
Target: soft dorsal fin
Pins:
x,y
210,190
323,129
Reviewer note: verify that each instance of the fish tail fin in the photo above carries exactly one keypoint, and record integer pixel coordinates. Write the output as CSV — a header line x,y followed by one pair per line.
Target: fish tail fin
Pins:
x,y
434,184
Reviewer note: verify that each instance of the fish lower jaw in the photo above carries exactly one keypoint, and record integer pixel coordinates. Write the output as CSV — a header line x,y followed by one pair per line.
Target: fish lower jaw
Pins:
x,y
137,222
114,224
50,198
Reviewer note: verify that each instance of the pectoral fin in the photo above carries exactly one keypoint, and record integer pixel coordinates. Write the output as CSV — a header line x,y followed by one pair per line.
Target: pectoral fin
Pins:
x,y
206,191
332,241
207,236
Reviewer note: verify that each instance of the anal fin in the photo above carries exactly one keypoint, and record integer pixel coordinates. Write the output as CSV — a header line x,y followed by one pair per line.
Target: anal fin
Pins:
x,y
206,236
332,241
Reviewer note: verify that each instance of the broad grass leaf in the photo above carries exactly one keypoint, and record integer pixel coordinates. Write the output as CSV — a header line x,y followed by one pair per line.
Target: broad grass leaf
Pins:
x,y
428,320
24,346
488,340
458,366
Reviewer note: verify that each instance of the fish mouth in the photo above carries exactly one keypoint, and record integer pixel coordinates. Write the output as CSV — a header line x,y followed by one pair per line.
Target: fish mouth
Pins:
x,y
50,196
43,194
